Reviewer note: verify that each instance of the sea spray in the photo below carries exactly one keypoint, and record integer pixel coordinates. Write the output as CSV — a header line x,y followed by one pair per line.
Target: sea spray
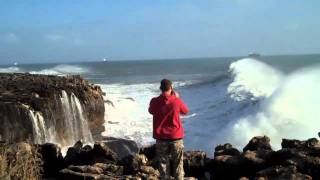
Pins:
x,y
252,77
288,109
61,69
127,115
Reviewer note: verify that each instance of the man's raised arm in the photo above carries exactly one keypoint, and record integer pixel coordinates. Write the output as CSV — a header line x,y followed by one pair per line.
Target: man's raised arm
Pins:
x,y
183,108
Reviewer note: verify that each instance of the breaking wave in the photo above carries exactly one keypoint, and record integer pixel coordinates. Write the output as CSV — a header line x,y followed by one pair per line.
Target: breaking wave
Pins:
x,y
289,104
62,69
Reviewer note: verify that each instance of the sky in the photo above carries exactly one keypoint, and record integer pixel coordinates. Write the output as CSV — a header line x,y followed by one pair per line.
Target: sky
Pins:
x,y
90,30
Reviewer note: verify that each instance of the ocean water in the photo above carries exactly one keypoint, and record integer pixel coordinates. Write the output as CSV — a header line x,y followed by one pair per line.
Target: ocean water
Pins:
x,y
230,99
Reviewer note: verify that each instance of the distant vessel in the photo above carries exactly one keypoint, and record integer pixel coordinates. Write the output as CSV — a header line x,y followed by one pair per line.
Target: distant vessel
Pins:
x,y
16,64
105,60
254,55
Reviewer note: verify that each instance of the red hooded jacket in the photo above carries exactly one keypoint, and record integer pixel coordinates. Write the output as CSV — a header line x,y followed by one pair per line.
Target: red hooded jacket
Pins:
x,y
166,110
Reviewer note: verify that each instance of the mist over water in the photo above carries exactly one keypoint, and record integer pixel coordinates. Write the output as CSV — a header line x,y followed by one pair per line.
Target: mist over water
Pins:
x,y
230,99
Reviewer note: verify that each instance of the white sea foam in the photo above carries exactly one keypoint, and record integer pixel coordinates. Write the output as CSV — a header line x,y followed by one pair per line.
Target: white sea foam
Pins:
x,y
12,69
289,109
62,69
127,110
127,116
252,77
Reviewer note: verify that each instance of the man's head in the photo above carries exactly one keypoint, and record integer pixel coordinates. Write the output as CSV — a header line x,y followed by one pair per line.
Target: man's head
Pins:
x,y
165,85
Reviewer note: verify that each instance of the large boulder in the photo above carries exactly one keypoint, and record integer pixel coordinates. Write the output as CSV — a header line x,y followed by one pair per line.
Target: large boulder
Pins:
x,y
122,147
86,155
52,159
195,164
149,151
258,143
281,173
226,149
133,163
221,166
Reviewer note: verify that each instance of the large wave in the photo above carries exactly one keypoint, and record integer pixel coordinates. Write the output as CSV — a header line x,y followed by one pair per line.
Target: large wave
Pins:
x,y
289,108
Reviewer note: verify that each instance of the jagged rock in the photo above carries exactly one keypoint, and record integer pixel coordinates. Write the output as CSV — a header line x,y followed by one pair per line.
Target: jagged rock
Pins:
x,y
110,168
293,143
133,163
122,147
221,166
96,171
149,151
100,153
226,149
77,155
148,172
194,163
258,143
103,154
243,165
52,159
281,173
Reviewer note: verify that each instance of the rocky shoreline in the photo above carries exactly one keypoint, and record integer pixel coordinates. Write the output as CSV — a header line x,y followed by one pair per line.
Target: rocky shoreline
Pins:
x,y
36,109
123,159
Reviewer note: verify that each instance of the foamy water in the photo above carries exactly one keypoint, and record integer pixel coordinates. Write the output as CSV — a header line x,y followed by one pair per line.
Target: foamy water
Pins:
x,y
289,107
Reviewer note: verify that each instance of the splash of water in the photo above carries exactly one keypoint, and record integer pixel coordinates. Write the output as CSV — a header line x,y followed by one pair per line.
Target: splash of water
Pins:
x,y
62,69
289,108
252,77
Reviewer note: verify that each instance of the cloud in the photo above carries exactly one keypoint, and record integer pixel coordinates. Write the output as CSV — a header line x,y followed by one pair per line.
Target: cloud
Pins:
x,y
54,37
10,38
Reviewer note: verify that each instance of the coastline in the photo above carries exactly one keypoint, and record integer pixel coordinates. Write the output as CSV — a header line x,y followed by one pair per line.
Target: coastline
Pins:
x,y
34,106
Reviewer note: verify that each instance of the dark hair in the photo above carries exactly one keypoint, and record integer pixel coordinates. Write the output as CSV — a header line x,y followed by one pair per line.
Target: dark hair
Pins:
x,y
165,85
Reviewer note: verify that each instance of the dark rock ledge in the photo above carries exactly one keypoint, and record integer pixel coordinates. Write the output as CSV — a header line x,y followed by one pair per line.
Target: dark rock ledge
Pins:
x,y
21,94
122,159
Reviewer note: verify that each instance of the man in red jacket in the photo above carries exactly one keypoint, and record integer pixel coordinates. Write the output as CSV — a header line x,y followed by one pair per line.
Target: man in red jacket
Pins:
x,y
168,130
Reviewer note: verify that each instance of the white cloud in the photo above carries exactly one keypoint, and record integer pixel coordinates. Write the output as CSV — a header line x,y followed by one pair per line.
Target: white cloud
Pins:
x,y
10,38
54,37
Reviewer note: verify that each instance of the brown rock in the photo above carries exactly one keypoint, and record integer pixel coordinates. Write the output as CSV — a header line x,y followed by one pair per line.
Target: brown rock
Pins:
x,y
258,143
280,172
226,149
195,163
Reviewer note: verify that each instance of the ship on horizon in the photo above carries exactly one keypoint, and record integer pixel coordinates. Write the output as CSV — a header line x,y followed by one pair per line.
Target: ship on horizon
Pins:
x,y
254,55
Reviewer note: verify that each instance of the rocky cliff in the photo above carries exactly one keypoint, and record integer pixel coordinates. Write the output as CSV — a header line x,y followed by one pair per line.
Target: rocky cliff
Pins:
x,y
40,108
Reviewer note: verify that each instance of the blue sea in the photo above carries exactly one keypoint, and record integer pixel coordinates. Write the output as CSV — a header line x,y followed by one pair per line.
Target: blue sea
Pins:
x,y
230,99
